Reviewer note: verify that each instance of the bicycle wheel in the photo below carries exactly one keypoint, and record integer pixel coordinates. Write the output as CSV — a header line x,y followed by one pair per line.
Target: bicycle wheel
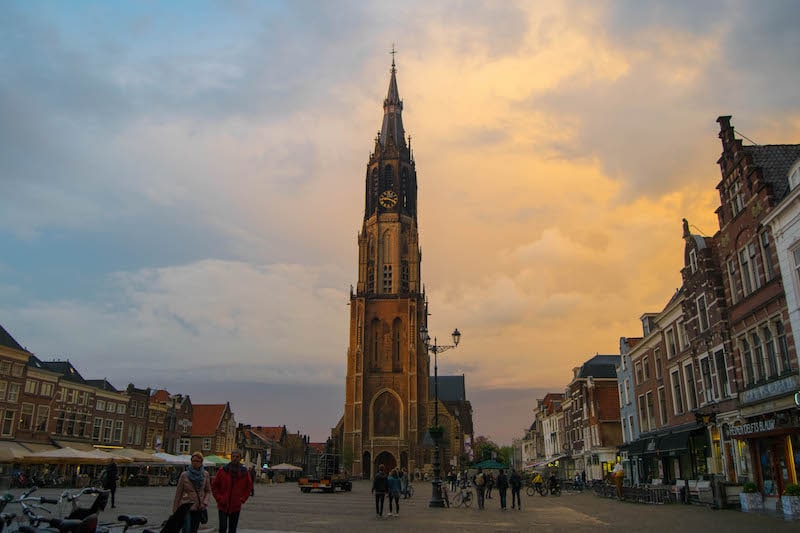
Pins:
x,y
458,499
468,499
530,491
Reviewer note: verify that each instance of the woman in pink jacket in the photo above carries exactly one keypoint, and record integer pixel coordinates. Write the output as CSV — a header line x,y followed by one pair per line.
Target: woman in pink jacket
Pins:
x,y
193,492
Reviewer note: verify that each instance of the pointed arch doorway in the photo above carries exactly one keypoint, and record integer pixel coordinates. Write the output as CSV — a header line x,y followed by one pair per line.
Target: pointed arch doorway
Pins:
x,y
387,460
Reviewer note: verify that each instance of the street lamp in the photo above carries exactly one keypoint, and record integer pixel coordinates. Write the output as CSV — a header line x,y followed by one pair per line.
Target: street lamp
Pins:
x,y
436,349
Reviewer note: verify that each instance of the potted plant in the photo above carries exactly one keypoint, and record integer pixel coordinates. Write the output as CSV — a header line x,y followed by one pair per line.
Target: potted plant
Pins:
x,y
750,498
790,500
436,432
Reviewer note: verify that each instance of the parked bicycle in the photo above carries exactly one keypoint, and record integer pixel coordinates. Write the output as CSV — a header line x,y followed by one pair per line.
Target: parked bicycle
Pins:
x,y
463,497
69,503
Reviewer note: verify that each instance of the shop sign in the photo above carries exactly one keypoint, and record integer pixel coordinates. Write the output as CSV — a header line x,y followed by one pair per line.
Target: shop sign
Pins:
x,y
768,390
752,427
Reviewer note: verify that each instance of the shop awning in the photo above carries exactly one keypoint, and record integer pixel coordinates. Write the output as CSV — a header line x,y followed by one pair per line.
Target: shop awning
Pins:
x,y
11,452
636,447
38,446
677,441
75,445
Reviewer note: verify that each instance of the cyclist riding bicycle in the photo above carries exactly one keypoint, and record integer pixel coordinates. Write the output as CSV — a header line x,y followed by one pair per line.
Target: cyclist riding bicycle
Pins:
x,y
538,480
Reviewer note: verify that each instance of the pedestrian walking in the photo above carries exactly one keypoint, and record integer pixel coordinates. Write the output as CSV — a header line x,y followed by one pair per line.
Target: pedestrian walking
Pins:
x,y
452,478
231,487
619,476
192,493
394,492
502,488
380,486
404,483
110,481
515,482
270,475
489,484
253,477
480,487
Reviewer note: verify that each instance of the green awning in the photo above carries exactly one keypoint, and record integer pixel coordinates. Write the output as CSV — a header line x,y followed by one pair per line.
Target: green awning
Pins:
x,y
489,464
217,460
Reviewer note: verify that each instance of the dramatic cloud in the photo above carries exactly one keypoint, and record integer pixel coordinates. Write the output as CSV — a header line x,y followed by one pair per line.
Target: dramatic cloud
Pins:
x,y
182,189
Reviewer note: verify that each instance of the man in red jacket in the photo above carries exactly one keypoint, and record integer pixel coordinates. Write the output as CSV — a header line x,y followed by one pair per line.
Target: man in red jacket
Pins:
x,y
231,487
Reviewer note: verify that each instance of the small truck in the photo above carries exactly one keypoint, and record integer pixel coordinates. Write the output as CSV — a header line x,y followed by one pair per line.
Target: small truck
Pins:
x,y
327,478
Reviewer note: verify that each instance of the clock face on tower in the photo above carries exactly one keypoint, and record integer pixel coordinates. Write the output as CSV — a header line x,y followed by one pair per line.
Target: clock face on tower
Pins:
x,y
388,199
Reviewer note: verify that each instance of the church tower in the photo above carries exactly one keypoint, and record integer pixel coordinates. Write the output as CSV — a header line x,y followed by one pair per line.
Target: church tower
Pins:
x,y
386,400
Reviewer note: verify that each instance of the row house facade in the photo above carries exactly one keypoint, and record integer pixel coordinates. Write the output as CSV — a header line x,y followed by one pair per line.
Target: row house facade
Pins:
x,y
591,409
715,377
177,409
258,442
49,404
755,179
531,446
213,429
548,411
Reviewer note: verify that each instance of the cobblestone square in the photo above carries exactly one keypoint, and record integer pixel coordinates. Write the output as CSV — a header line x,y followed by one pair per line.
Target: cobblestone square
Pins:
x,y
282,507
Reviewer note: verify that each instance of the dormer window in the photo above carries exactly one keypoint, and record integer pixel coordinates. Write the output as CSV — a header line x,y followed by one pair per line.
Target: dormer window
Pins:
x,y
794,176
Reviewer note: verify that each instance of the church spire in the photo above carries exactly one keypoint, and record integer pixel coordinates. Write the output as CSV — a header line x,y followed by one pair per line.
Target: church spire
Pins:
x,y
392,131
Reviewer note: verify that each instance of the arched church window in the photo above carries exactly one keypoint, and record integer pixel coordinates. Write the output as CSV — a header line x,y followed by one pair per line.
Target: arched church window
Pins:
x,y
397,327
404,189
386,246
387,278
376,189
370,277
386,415
387,177
375,337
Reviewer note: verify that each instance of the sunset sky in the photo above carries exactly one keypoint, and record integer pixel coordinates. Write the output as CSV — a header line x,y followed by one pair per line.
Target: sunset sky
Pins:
x,y
182,183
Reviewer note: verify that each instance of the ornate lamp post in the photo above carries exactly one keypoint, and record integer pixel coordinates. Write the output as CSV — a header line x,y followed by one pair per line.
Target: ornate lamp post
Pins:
x,y
436,349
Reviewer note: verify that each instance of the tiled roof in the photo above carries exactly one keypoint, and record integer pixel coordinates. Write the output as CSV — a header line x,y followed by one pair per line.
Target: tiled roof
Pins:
x,y
451,389
206,418
775,161
160,396
273,433
600,366
317,447
8,341
65,368
101,384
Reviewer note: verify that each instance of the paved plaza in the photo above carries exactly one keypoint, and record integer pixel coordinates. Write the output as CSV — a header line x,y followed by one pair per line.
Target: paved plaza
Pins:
x,y
283,508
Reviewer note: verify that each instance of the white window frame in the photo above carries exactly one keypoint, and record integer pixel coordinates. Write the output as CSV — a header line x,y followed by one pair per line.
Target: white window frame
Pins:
x,y
731,269
708,376
662,405
690,386
669,340
677,395
31,386
766,255
703,322
693,261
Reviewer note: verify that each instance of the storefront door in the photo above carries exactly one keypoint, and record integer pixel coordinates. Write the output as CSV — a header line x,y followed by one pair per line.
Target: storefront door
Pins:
x,y
773,461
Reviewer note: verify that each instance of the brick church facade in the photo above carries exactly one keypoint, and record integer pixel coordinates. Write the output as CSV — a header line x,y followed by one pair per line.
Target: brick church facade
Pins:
x,y
387,404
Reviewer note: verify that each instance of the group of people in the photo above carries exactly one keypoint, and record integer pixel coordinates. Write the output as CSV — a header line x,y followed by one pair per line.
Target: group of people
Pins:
x,y
503,482
393,485
231,487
